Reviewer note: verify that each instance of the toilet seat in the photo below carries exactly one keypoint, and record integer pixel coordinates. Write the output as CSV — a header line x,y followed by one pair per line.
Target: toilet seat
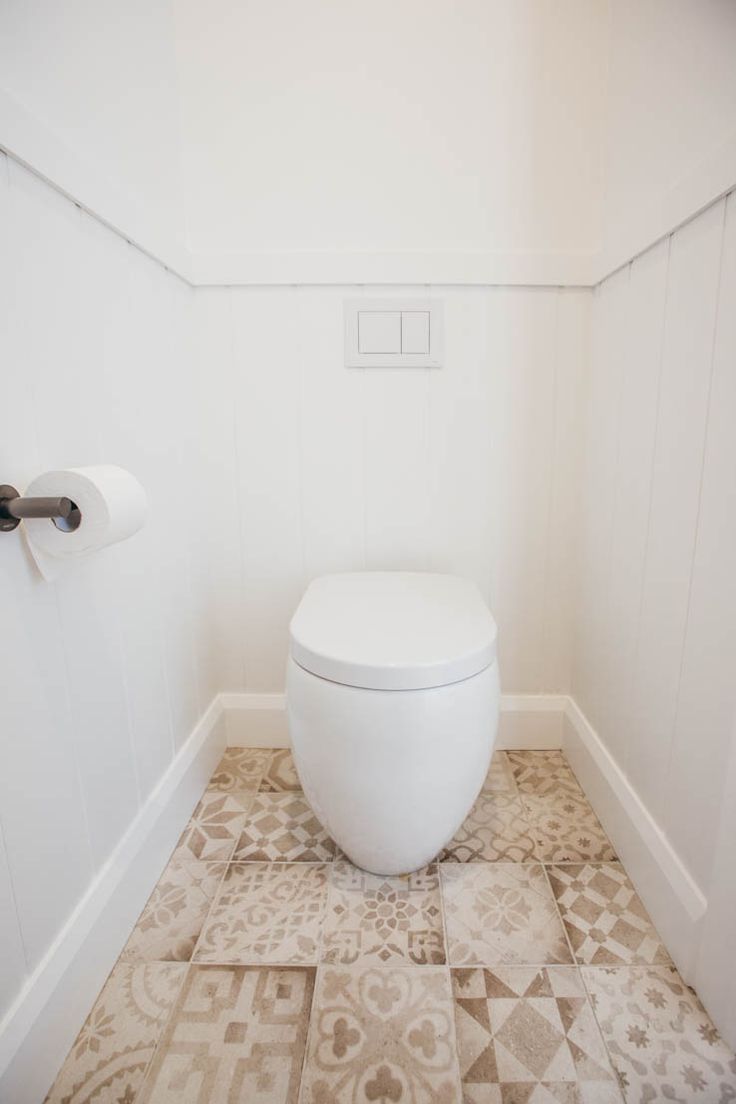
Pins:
x,y
393,630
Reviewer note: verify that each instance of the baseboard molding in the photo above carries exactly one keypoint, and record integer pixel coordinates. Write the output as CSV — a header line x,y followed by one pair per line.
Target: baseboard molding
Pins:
x,y
527,720
671,896
42,1024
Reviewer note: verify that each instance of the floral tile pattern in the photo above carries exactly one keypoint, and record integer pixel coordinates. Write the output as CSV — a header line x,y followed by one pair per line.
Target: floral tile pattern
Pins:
x,y
378,919
501,913
495,830
385,1035
282,828
606,923
280,774
528,1034
661,1041
240,769
108,1061
542,773
266,912
500,777
566,829
215,826
237,1034
170,924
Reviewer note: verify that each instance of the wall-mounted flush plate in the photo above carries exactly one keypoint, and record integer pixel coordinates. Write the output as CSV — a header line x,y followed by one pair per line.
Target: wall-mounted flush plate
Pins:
x,y
393,333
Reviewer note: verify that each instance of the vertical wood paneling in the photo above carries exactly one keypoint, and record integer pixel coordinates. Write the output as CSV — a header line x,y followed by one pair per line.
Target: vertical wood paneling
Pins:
x,y
12,956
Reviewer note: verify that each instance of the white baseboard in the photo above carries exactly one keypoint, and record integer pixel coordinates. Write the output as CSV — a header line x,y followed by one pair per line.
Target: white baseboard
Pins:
x,y
671,896
42,1024
527,720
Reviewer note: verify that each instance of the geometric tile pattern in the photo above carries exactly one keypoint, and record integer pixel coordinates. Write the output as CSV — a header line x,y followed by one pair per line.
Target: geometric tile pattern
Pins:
x,y
108,1061
566,829
500,777
383,1034
529,1034
379,919
542,773
240,769
495,830
215,826
606,923
282,828
501,913
236,1036
170,924
266,912
659,1037
280,773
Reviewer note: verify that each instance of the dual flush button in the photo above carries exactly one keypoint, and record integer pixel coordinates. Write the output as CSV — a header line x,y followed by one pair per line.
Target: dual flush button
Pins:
x,y
393,333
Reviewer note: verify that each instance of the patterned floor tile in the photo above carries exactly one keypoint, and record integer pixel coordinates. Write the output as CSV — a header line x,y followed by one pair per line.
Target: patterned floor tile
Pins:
x,y
215,826
500,777
529,1034
266,912
108,1061
236,1036
502,913
280,774
495,830
542,772
283,828
566,829
606,923
170,924
383,1034
383,920
659,1037
240,769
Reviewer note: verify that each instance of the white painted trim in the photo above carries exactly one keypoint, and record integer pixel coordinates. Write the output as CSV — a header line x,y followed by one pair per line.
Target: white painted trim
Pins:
x,y
41,1025
672,897
527,720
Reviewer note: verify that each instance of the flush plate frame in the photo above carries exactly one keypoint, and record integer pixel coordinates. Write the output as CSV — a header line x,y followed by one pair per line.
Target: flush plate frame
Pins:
x,y
433,359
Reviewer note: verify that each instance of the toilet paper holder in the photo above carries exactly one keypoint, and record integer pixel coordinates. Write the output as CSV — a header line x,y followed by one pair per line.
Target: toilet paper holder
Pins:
x,y
64,513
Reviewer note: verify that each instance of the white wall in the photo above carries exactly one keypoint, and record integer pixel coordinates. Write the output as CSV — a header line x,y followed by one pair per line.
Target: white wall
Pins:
x,y
465,469
106,671
432,127
656,608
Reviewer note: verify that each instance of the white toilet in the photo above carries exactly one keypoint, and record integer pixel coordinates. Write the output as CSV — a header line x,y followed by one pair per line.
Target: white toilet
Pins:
x,y
392,698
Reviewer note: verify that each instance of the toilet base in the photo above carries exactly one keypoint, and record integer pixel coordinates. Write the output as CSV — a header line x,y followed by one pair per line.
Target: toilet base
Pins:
x,y
392,774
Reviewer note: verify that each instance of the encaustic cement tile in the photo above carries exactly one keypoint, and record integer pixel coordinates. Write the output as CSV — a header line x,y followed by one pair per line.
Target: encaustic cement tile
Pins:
x,y
528,1034
215,827
240,769
237,1034
566,829
170,924
266,912
282,828
660,1039
501,913
280,774
606,923
500,777
108,1061
495,830
382,1034
383,920
542,773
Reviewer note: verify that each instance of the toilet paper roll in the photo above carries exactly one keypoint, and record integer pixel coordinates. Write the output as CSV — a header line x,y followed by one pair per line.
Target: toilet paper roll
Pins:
x,y
113,507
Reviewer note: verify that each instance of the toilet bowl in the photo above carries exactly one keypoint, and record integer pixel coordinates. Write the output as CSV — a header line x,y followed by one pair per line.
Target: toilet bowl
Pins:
x,y
392,700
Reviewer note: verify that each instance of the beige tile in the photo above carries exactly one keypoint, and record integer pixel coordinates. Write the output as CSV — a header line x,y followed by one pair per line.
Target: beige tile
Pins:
x,y
382,1034
240,769
566,829
659,1037
170,924
108,1061
606,923
529,1034
495,830
383,920
215,827
542,773
282,828
236,1036
266,912
501,914
280,774
500,777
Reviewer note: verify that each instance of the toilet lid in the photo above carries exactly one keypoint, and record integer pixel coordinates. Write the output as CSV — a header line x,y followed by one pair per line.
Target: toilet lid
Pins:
x,y
393,630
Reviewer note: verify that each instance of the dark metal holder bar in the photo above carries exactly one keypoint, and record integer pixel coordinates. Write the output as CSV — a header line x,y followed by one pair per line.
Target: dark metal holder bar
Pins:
x,y
65,514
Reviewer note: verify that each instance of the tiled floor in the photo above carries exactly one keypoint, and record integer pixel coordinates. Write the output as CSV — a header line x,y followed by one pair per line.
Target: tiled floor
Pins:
x,y
521,968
